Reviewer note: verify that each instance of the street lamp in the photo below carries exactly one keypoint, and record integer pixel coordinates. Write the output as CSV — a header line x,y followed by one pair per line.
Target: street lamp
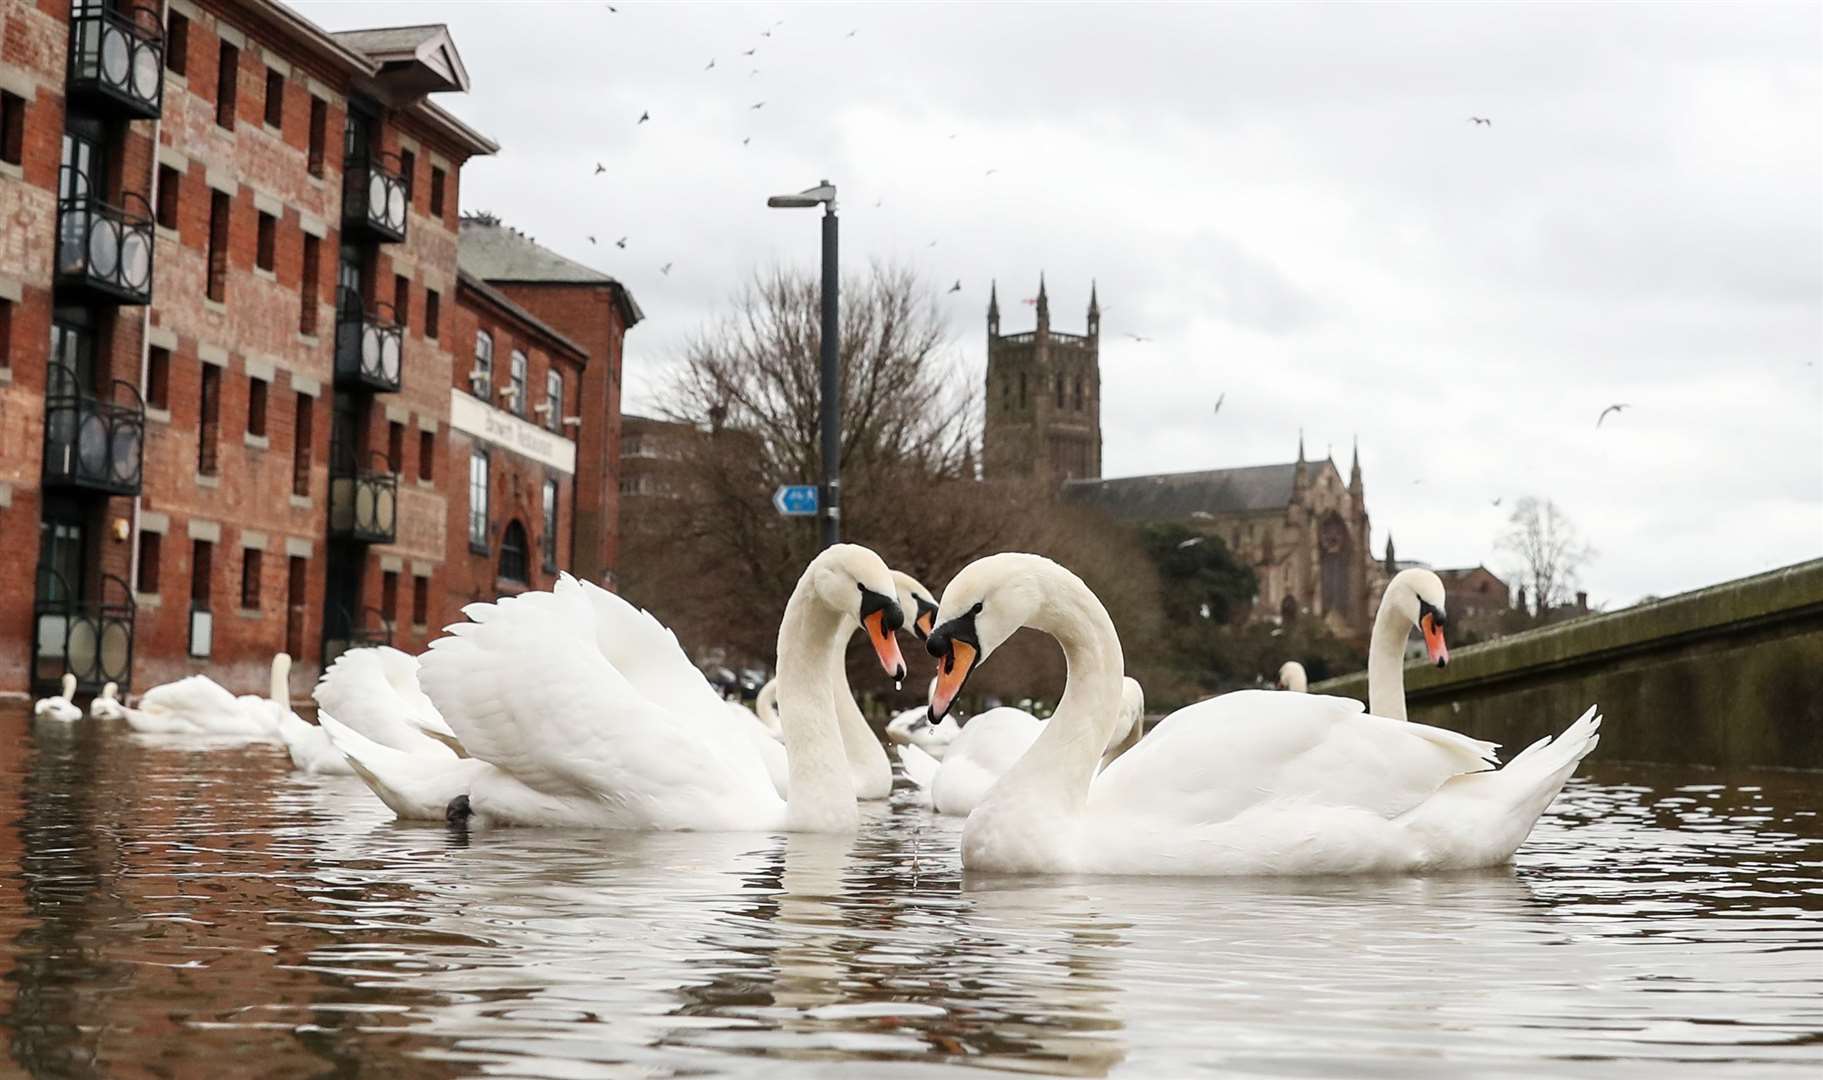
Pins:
x,y
829,494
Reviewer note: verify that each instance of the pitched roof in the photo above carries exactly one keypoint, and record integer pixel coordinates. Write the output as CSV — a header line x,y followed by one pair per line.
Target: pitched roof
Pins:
x,y
423,59
495,296
1168,496
491,251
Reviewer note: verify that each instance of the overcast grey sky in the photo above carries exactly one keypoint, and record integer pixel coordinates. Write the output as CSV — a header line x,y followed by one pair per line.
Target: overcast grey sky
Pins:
x,y
1290,202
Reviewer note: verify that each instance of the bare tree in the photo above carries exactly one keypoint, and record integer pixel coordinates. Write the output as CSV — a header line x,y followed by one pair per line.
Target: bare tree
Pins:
x,y
1550,550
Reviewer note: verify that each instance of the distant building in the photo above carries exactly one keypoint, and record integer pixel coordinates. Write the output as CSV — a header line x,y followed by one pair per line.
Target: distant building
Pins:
x,y
1043,403
649,454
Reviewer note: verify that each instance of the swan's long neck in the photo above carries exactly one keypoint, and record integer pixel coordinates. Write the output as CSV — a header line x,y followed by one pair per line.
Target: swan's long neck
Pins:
x,y
280,690
1386,661
822,793
859,742
1056,772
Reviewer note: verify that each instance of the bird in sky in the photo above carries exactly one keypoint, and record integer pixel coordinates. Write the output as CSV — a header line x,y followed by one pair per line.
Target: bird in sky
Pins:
x,y
957,287
591,239
991,172
1136,337
1497,501
621,243
1610,409
752,73
850,34
711,65
879,202
612,10
600,168
758,105
1029,301
933,243
644,116
746,140
1219,400
1481,120
665,269
765,33
749,52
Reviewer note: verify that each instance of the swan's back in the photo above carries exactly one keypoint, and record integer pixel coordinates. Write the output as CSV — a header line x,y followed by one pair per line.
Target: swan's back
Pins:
x,y
980,755
647,655
193,696
374,691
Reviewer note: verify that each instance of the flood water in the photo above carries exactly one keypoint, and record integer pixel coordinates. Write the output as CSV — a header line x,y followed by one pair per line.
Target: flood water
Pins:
x,y
173,910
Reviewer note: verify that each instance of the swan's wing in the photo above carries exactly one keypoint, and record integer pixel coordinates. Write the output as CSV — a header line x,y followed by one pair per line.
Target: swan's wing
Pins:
x,y
191,696
647,655
310,747
1213,760
415,787
920,767
526,688
359,691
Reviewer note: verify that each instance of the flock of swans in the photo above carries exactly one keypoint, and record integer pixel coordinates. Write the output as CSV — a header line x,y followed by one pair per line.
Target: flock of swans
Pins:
x,y
569,707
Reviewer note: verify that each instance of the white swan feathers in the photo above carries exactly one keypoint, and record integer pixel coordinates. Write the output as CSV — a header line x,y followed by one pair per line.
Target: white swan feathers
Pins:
x,y
60,706
198,705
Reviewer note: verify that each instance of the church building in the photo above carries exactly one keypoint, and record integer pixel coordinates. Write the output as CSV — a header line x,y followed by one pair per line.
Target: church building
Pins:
x,y
1043,398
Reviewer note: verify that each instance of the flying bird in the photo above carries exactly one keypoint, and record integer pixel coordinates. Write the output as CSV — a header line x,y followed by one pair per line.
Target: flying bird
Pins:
x,y
1497,500
1136,337
765,33
933,243
749,52
758,105
957,287
591,239
991,172
1610,409
665,269
746,140
1219,400
1029,301
711,65
879,202
848,35
621,243
1481,120
644,116
600,168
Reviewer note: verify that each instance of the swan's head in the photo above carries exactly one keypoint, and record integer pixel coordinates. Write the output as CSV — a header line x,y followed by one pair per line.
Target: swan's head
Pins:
x,y
1292,677
915,598
109,691
1417,595
852,580
69,686
982,607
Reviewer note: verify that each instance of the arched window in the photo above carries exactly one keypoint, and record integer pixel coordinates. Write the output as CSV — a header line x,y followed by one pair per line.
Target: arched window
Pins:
x,y
1288,609
1060,391
512,552
1079,393
1006,394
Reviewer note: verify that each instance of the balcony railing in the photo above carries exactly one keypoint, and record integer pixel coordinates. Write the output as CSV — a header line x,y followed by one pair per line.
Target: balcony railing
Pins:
x,y
105,250
117,58
363,499
92,640
90,442
369,345
342,631
375,196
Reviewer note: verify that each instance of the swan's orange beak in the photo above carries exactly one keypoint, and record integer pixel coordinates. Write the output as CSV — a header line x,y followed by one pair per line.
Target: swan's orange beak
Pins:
x,y
886,645
924,623
952,672
1433,639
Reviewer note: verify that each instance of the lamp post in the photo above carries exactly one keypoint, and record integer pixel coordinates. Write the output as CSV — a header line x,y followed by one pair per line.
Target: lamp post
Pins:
x,y
829,493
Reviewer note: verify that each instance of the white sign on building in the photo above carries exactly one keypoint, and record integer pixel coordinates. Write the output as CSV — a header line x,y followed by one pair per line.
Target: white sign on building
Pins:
x,y
503,429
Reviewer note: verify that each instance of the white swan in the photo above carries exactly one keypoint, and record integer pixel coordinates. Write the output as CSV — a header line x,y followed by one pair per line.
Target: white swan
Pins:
x,y
60,706
578,713
991,742
1413,597
913,728
1255,782
766,707
198,705
107,704
1292,677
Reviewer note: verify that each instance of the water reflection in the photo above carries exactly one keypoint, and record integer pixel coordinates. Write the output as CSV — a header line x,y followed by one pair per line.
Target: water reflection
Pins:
x,y
177,908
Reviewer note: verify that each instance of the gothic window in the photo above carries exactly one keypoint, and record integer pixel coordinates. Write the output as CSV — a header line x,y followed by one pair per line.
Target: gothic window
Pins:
x,y
1060,391
1022,398
1288,608
1079,393
512,552
1006,394
1333,540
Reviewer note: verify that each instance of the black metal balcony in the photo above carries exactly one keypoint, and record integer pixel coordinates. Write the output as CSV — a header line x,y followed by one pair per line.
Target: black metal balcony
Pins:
x,y
105,250
92,640
363,499
369,345
92,443
117,58
375,196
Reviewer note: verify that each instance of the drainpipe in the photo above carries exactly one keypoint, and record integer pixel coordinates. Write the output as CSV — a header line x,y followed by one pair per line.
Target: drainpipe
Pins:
x,y
145,324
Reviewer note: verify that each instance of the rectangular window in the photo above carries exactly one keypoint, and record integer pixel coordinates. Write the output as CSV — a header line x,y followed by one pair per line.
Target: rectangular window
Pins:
x,y
265,255
303,430
481,376
433,313
401,300
477,501
389,596
420,601
250,579
550,525
170,186
427,455
436,192
177,43
158,377
207,438
307,285
146,581
6,333
256,407
202,623
408,170
275,99
12,128
319,133
297,579
217,288
395,447
227,85
553,400
516,382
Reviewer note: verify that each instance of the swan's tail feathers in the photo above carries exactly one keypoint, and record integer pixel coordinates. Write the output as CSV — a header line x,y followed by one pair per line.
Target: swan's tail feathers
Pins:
x,y
920,767
414,787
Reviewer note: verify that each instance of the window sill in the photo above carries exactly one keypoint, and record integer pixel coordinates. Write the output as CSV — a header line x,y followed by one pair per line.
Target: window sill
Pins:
x,y
257,442
162,416
204,481
167,234
251,613
6,375
145,600
427,485
220,307
264,274
7,168
311,340
300,502
419,629
277,133
478,549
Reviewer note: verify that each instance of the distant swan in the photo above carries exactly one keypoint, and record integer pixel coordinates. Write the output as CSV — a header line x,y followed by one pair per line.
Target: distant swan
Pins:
x,y
60,706
1292,677
107,705
198,705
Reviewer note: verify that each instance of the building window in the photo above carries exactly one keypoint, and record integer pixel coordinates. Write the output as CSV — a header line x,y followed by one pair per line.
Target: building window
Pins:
x,y
275,99
250,579
217,287
303,431
427,455
146,580
477,501
307,285
512,552
408,171
297,577
401,301
550,525
516,383
6,333
553,400
433,313
265,255
436,192
227,76
177,43
389,597
1060,391
481,377
319,133
256,407
1022,397
170,183
208,431
1079,393
202,554
395,447
420,601
158,377
12,128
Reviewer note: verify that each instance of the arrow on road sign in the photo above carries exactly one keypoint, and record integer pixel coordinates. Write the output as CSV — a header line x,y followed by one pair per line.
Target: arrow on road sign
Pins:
x,y
796,500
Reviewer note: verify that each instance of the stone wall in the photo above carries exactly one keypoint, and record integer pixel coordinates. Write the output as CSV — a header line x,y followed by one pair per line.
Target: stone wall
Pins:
x,y
1725,676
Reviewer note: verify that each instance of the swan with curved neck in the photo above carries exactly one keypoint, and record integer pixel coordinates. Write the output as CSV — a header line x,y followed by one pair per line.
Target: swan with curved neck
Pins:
x,y
1292,677
1254,782
1413,598
107,704
198,705
60,706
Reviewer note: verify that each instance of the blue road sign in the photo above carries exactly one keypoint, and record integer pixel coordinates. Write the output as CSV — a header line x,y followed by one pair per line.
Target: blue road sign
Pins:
x,y
796,500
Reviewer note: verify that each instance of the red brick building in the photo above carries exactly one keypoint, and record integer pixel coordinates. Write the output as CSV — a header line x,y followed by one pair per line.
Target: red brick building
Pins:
x,y
231,319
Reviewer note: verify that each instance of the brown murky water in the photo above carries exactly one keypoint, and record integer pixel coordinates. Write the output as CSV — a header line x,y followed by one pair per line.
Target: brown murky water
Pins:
x,y
172,910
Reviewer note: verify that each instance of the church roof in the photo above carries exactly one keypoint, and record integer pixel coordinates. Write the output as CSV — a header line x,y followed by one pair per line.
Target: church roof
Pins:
x,y
1168,496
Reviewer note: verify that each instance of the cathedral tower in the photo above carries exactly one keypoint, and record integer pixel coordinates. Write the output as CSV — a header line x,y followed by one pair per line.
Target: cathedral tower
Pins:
x,y
1043,404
